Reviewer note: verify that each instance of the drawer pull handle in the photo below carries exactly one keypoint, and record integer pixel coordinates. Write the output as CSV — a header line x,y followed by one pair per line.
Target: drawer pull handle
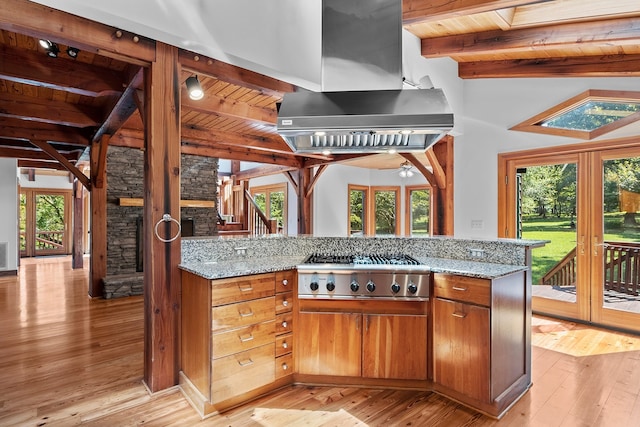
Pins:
x,y
285,366
285,345
247,289
458,314
245,339
245,362
458,288
284,324
247,314
285,303
285,282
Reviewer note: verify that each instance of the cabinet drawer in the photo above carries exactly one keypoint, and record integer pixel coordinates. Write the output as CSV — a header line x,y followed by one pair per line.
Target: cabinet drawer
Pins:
x,y
461,288
241,289
242,372
285,280
242,314
284,323
242,339
284,302
284,344
284,365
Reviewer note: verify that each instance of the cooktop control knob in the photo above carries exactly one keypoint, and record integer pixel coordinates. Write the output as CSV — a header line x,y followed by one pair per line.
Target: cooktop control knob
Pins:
x,y
331,286
354,286
413,288
371,286
314,286
395,287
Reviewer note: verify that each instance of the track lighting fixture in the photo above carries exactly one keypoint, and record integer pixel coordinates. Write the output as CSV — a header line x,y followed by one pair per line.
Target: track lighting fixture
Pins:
x,y
50,47
73,52
194,89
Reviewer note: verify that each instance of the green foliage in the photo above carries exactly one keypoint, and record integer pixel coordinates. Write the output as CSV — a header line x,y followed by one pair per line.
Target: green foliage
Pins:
x,y
49,212
420,204
385,212
356,211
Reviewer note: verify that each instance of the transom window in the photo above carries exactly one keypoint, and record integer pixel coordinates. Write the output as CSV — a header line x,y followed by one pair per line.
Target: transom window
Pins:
x,y
586,116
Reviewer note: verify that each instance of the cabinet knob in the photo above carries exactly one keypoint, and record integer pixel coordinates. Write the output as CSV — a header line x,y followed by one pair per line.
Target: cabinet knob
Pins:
x,y
285,282
285,345
285,303
285,366
284,324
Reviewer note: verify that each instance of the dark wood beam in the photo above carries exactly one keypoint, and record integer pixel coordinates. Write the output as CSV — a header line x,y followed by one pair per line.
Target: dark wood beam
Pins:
x,y
47,148
123,108
47,111
37,69
32,154
230,108
17,128
40,164
230,73
620,32
420,11
39,21
289,175
245,154
100,160
314,180
583,66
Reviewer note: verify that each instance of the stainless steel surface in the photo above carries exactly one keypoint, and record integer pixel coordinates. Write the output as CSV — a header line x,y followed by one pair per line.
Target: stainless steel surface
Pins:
x,y
372,121
361,45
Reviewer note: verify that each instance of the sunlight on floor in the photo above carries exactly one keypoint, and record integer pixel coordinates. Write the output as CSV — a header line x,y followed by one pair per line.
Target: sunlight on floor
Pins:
x,y
269,417
578,340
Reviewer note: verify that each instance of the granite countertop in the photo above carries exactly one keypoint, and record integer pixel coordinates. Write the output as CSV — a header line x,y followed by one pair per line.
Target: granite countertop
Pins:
x,y
248,266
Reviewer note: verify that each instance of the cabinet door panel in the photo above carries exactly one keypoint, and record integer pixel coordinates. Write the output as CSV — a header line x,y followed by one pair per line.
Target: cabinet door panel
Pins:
x,y
395,347
329,344
461,348
242,314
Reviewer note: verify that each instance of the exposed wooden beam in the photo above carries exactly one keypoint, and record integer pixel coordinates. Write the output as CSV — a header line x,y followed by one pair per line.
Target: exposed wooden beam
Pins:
x,y
39,21
17,128
123,109
245,154
100,160
47,111
37,69
230,108
230,73
621,32
430,177
264,170
40,164
583,66
314,180
33,154
438,170
420,11
47,148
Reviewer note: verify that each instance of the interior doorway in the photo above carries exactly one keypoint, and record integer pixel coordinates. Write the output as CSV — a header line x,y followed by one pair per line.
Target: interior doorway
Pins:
x,y
45,222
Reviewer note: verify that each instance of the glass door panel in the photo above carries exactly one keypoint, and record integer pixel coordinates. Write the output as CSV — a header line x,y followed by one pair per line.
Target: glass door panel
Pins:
x,y
547,208
50,232
357,211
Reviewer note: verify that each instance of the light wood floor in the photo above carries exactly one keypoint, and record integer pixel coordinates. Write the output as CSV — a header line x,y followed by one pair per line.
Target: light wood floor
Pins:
x,y
66,359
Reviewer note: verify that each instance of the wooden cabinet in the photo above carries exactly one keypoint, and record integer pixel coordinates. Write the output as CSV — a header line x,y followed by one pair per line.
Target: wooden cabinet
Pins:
x,y
237,337
394,346
376,339
480,339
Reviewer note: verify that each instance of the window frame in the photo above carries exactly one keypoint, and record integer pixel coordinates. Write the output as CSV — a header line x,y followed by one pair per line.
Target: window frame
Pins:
x,y
267,190
408,211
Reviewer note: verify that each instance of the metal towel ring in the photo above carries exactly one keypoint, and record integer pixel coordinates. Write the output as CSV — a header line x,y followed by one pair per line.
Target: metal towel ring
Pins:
x,y
166,218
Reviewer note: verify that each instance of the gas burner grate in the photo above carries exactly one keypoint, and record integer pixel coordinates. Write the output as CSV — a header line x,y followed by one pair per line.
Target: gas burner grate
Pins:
x,y
385,260
329,259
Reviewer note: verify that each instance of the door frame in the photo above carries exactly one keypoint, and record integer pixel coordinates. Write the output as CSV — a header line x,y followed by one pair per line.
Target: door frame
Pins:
x,y
589,157
30,219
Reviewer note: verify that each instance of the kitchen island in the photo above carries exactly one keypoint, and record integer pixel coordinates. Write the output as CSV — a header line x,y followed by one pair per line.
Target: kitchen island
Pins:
x,y
470,340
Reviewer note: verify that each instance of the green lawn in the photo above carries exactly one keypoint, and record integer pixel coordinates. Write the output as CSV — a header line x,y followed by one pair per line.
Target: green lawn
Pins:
x,y
563,238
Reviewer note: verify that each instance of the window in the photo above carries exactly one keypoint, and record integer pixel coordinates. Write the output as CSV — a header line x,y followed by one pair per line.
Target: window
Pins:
x,y
383,208
418,211
358,197
587,115
272,200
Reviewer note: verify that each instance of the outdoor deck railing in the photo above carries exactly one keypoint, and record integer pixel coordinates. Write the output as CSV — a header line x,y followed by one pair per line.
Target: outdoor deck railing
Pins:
x,y
621,269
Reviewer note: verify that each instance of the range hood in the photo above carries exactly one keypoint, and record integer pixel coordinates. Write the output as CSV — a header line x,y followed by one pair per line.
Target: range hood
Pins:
x,y
362,107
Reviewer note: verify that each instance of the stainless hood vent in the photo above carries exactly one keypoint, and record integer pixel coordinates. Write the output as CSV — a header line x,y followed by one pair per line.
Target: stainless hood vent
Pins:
x,y
362,107
357,121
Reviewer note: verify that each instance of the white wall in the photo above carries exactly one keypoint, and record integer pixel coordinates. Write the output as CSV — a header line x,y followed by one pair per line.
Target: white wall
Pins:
x,y
58,182
9,210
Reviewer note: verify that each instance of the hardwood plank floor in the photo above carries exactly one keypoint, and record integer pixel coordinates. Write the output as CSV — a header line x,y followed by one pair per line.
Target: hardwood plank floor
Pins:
x,y
66,359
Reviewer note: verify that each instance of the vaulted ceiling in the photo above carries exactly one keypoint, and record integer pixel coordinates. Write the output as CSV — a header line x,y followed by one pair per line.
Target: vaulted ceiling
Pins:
x,y
53,109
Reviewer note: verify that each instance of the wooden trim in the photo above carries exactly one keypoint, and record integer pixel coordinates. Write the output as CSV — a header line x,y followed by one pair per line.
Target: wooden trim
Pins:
x,y
134,201
423,11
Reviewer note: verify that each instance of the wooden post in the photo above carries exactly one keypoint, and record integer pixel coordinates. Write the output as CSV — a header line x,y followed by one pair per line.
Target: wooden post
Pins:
x,y
78,223
443,151
98,198
162,285
304,201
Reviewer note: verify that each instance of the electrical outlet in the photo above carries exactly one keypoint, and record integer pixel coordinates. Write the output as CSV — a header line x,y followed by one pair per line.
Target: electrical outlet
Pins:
x,y
476,253
241,251
477,224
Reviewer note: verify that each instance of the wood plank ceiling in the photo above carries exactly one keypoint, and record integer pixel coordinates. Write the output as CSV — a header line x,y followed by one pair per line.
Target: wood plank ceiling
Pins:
x,y
51,109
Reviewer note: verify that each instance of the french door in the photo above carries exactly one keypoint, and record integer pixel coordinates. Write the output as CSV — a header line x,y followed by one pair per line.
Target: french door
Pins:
x,y
585,203
45,222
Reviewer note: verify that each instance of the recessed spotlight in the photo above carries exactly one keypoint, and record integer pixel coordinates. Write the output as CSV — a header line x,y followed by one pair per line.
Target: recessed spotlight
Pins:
x,y
73,52
320,133
326,152
406,132
392,151
46,44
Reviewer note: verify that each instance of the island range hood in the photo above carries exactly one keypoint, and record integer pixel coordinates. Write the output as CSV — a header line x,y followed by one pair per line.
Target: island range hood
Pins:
x,y
362,107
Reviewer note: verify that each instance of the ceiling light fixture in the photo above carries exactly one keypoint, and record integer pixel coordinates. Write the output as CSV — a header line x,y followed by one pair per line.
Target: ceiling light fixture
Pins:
x,y
73,52
194,89
51,48
405,170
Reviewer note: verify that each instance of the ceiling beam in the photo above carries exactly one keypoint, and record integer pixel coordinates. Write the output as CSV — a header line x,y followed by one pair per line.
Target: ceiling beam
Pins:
x,y
420,11
230,73
44,146
230,108
39,21
430,177
264,170
26,153
620,32
17,128
244,154
40,164
583,66
37,69
47,111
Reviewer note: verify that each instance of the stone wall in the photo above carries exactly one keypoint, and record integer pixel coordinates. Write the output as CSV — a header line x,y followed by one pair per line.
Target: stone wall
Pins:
x,y
125,176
